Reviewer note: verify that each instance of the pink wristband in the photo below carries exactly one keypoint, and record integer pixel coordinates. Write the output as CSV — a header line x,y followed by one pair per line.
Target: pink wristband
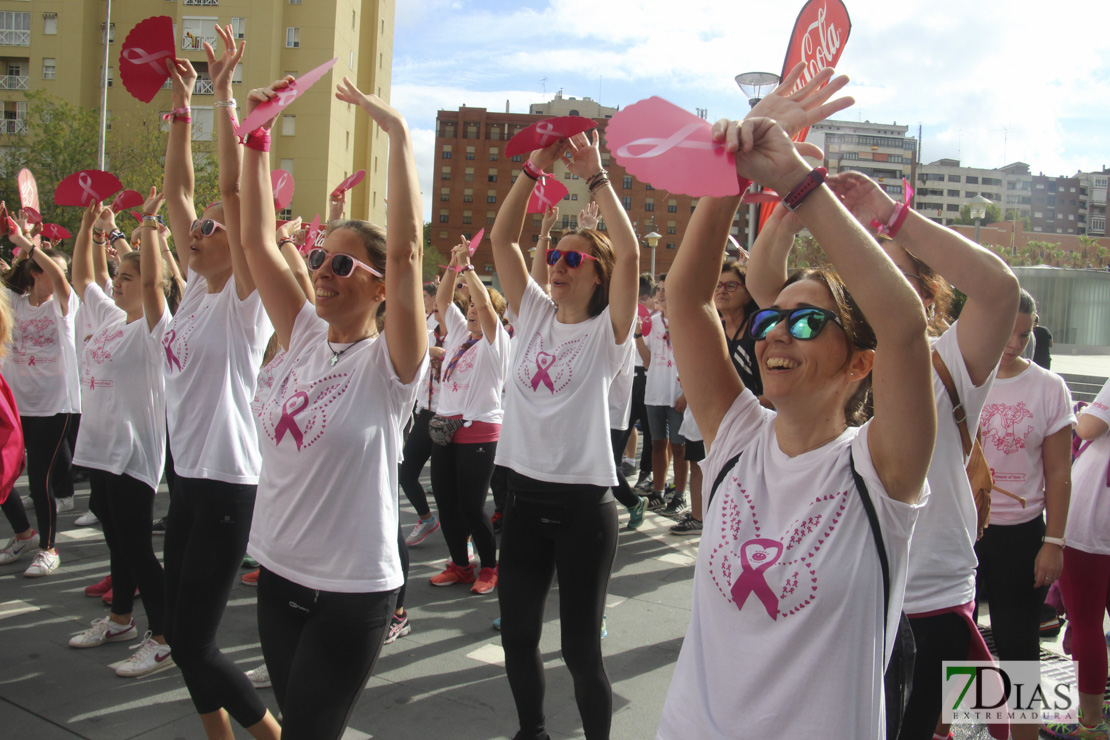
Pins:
x,y
897,218
532,170
258,140
178,115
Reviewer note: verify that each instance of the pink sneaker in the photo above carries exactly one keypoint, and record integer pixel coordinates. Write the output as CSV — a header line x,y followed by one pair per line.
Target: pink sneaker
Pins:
x,y
487,581
454,574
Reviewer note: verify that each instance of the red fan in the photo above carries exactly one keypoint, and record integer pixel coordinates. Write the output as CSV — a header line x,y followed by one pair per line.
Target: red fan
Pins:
x,y
284,99
85,187
142,59
543,133
54,232
127,199
349,183
548,192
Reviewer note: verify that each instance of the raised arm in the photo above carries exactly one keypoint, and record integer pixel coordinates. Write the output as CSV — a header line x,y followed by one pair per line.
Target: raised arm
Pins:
x,y
625,282
104,227
177,185
281,294
445,291
287,238
169,258
404,238
539,271
151,265
53,271
767,264
83,269
479,295
987,318
335,206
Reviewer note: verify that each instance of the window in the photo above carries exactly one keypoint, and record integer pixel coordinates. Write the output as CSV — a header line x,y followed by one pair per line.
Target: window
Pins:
x,y
195,31
574,196
490,217
493,154
514,175
447,131
288,125
1100,182
204,121
1098,223
111,33
970,193
211,3
626,182
48,68
649,187
491,196
446,151
672,227
468,174
471,131
955,208
445,173
443,235
566,175
953,193
285,214
111,76
237,74
15,28
672,206
468,218
470,152
292,37
971,180
626,201
649,204
492,176
516,158
294,2
444,195
239,27
443,217
953,178
468,195
49,24
287,165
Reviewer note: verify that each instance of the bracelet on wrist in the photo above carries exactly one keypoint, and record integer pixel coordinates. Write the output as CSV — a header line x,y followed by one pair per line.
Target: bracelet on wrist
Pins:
x,y
117,234
97,231
179,115
229,103
532,170
285,240
148,225
465,268
805,188
258,140
599,174
597,184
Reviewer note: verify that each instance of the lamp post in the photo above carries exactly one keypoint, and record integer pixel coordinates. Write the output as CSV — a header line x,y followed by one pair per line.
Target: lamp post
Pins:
x,y
755,85
978,211
652,238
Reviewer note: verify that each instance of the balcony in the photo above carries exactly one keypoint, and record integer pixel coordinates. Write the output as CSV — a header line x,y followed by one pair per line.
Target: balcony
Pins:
x,y
15,38
13,82
204,3
192,42
13,126
204,86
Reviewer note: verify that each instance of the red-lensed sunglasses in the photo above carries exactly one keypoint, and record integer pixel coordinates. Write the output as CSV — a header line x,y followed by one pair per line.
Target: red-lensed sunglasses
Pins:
x,y
573,259
342,265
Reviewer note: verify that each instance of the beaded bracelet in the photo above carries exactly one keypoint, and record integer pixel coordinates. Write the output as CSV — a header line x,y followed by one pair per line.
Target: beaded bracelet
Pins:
x,y
597,184
286,240
599,174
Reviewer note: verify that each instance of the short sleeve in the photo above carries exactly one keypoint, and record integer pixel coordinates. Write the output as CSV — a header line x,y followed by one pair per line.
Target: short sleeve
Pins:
x,y
455,323
741,424
1100,407
101,309
307,329
534,305
1058,413
972,396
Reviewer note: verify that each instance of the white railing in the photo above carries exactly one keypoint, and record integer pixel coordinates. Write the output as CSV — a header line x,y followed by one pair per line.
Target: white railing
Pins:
x,y
205,3
192,42
13,82
204,87
13,126
15,38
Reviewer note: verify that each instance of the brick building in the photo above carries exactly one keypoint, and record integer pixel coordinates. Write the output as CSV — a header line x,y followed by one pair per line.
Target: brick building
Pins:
x,y
472,178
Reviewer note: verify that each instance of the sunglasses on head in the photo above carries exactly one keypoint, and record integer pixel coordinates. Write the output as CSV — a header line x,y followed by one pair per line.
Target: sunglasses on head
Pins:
x,y
802,323
207,226
342,265
573,259
729,287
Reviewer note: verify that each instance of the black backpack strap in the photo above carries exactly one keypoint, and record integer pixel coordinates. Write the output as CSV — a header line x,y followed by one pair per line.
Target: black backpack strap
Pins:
x,y
873,520
729,465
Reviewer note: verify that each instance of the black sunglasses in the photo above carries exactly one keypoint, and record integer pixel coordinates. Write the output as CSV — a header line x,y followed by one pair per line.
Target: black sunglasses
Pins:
x,y
802,323
207,226
574,259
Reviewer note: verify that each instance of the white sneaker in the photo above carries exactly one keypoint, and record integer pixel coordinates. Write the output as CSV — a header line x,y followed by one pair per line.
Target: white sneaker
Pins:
x,y
104,630
150,657
87,519
45,563
260,677
420,532
63,504
16,548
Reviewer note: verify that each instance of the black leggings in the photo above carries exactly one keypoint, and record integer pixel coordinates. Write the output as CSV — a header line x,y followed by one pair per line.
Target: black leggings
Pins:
x,y
622,490
418,448
300,629
1007,554
938,638
124,507
639,414
15,513
404,553
49,461
565,531
206,537
460,483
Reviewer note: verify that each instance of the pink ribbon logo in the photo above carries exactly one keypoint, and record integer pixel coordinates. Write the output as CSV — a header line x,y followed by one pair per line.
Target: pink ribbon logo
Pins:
x,y
541,192
541,375
171,357
287,96
658,147
85,182
764,553
137,56
547,132
294,405
31,361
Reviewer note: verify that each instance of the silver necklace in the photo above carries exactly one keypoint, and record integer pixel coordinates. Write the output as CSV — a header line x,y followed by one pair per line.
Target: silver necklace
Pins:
x,y
336,355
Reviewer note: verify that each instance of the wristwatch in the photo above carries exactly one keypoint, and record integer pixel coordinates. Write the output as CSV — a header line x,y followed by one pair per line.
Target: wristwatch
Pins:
x,y
1061,541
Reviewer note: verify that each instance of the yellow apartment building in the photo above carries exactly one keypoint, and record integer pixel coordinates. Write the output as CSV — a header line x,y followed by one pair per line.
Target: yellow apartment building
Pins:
x,y
57,46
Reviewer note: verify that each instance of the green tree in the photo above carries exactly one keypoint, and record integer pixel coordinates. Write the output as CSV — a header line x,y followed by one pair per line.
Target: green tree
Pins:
x,y
432,257
994,213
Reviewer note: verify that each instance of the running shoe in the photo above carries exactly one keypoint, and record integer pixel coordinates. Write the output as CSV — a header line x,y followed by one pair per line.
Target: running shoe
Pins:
x,y
677,506
498,521
45,563
17,548
398,627
63,504
249,562
656,502
628,467
669,492
643,484
104,630
604,627
454,574
251,579
487,581
636,513
689,525
497,624
101,588
159,526
149,657
260,677
1076,730
87,519
420,532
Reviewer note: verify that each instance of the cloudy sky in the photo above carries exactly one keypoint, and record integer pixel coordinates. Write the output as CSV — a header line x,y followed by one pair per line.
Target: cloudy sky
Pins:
x,y
989,82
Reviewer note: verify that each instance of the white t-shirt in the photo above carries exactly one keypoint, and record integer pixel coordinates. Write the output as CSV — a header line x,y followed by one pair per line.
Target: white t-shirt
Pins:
x,y
212,352
1089,513
42,365
428,396
326,512
689,429
557,395
1020,412
620,392
472,388
786,630
265,381
123,424
943,561
662,388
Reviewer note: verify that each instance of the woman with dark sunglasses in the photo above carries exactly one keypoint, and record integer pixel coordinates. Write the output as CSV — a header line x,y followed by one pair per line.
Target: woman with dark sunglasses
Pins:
x,y
326,527
788,589
212,351
940,586
561,517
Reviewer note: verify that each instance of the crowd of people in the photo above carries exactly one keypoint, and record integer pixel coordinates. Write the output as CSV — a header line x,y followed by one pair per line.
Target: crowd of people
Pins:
x,y
288,394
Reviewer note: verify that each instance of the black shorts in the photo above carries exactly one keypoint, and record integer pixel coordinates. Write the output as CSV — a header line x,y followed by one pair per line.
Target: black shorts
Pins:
x,y
695,451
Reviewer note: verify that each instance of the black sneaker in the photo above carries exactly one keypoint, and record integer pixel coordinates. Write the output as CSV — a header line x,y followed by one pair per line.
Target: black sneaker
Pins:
x,y
676,507
668,492
159,526
689,525
656,502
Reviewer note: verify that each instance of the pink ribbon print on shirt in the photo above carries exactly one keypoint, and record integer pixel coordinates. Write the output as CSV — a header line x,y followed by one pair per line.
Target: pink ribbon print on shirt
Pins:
x,y
780,573
550,370
299,411
293,405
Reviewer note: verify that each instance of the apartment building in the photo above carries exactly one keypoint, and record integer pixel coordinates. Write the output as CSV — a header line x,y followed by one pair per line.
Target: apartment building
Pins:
x,y
58,46
882,151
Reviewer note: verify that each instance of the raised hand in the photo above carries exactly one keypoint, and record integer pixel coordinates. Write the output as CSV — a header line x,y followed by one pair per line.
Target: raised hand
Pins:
x,y
90,216
153,203
260,95
387,118
221,69
183,78
335,206
460,254
106,220
809,105
288,229
586,159
767,156
587,217
550,217
544,158
862,196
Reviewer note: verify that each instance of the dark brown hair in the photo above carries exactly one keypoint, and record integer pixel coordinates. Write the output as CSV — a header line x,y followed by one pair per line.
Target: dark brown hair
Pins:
x,y
602,249
22,275
372,237
169,285
931,286
739,271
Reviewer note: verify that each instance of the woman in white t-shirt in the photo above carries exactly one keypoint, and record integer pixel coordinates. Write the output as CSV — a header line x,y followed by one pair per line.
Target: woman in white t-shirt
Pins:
x,y
475,362
940,587
1085,579
326,528
123,438
1026,425
788,602
41,369
561,517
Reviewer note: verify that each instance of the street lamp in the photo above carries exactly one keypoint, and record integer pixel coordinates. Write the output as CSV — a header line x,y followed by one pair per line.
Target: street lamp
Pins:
x,y
978,211
652,238
755,85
